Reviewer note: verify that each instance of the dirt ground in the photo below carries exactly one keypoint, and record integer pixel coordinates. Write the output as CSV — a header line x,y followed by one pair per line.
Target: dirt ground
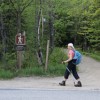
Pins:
x,y
89,72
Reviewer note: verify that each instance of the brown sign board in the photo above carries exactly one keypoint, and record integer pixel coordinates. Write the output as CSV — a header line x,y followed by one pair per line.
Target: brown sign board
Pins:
x,y
20,40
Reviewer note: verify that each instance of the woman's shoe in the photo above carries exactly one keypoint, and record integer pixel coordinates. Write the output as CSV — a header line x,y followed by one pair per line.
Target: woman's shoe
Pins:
x,y
79,84
62,83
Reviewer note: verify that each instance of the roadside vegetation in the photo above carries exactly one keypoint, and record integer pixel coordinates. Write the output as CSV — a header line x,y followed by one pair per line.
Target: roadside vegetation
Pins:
x,y
95,55
59,21
55,67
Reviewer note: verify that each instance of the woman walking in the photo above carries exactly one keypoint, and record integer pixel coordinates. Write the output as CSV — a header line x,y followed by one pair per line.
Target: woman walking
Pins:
x,y
71,67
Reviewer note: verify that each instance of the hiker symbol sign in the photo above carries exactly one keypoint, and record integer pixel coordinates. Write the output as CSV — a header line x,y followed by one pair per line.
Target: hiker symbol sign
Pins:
x,y
20,39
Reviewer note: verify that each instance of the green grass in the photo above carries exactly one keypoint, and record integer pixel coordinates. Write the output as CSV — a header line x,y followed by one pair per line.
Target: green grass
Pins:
x,y
94,55
6,74
56,70
30,71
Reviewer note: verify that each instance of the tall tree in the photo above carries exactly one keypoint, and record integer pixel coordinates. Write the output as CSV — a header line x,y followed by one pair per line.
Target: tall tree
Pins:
x,y
20,6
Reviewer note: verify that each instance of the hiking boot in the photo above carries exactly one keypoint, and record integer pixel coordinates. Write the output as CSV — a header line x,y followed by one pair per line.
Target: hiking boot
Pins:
x,y
62,83
79,84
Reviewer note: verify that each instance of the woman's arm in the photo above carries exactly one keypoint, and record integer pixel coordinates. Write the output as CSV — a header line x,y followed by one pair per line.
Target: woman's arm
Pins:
x,y
69,59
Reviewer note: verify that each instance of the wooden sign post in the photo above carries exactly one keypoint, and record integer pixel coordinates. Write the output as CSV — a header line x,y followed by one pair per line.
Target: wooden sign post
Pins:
x,y
20,42
47,54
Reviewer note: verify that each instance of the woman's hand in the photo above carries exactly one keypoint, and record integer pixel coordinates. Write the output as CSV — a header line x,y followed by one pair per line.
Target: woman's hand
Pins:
x,y
63,62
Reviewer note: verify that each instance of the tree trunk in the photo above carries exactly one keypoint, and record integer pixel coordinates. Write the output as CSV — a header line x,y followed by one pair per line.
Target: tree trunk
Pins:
x,y
51,28
3,36
18,22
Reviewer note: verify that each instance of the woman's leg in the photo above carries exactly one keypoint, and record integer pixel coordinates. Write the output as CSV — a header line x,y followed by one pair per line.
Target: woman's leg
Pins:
x,y
75,74
67,71
66,75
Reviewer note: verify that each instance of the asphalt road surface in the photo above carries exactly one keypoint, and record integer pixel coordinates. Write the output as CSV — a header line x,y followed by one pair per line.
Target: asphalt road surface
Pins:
x,y
48,94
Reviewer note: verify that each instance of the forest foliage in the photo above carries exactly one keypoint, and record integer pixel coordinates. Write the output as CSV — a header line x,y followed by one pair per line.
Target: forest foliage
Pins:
x,y
60,21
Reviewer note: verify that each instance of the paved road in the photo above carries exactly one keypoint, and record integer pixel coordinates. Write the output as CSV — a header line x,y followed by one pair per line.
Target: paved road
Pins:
x,y
48,94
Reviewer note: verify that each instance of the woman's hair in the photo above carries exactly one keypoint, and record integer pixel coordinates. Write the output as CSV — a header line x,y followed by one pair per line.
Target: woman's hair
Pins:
x,y
71,45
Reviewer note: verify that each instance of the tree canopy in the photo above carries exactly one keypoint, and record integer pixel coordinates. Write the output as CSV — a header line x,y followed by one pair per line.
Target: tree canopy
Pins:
x,y
60,21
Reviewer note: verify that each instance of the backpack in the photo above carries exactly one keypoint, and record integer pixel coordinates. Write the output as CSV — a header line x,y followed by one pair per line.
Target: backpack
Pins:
x,y
77,57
